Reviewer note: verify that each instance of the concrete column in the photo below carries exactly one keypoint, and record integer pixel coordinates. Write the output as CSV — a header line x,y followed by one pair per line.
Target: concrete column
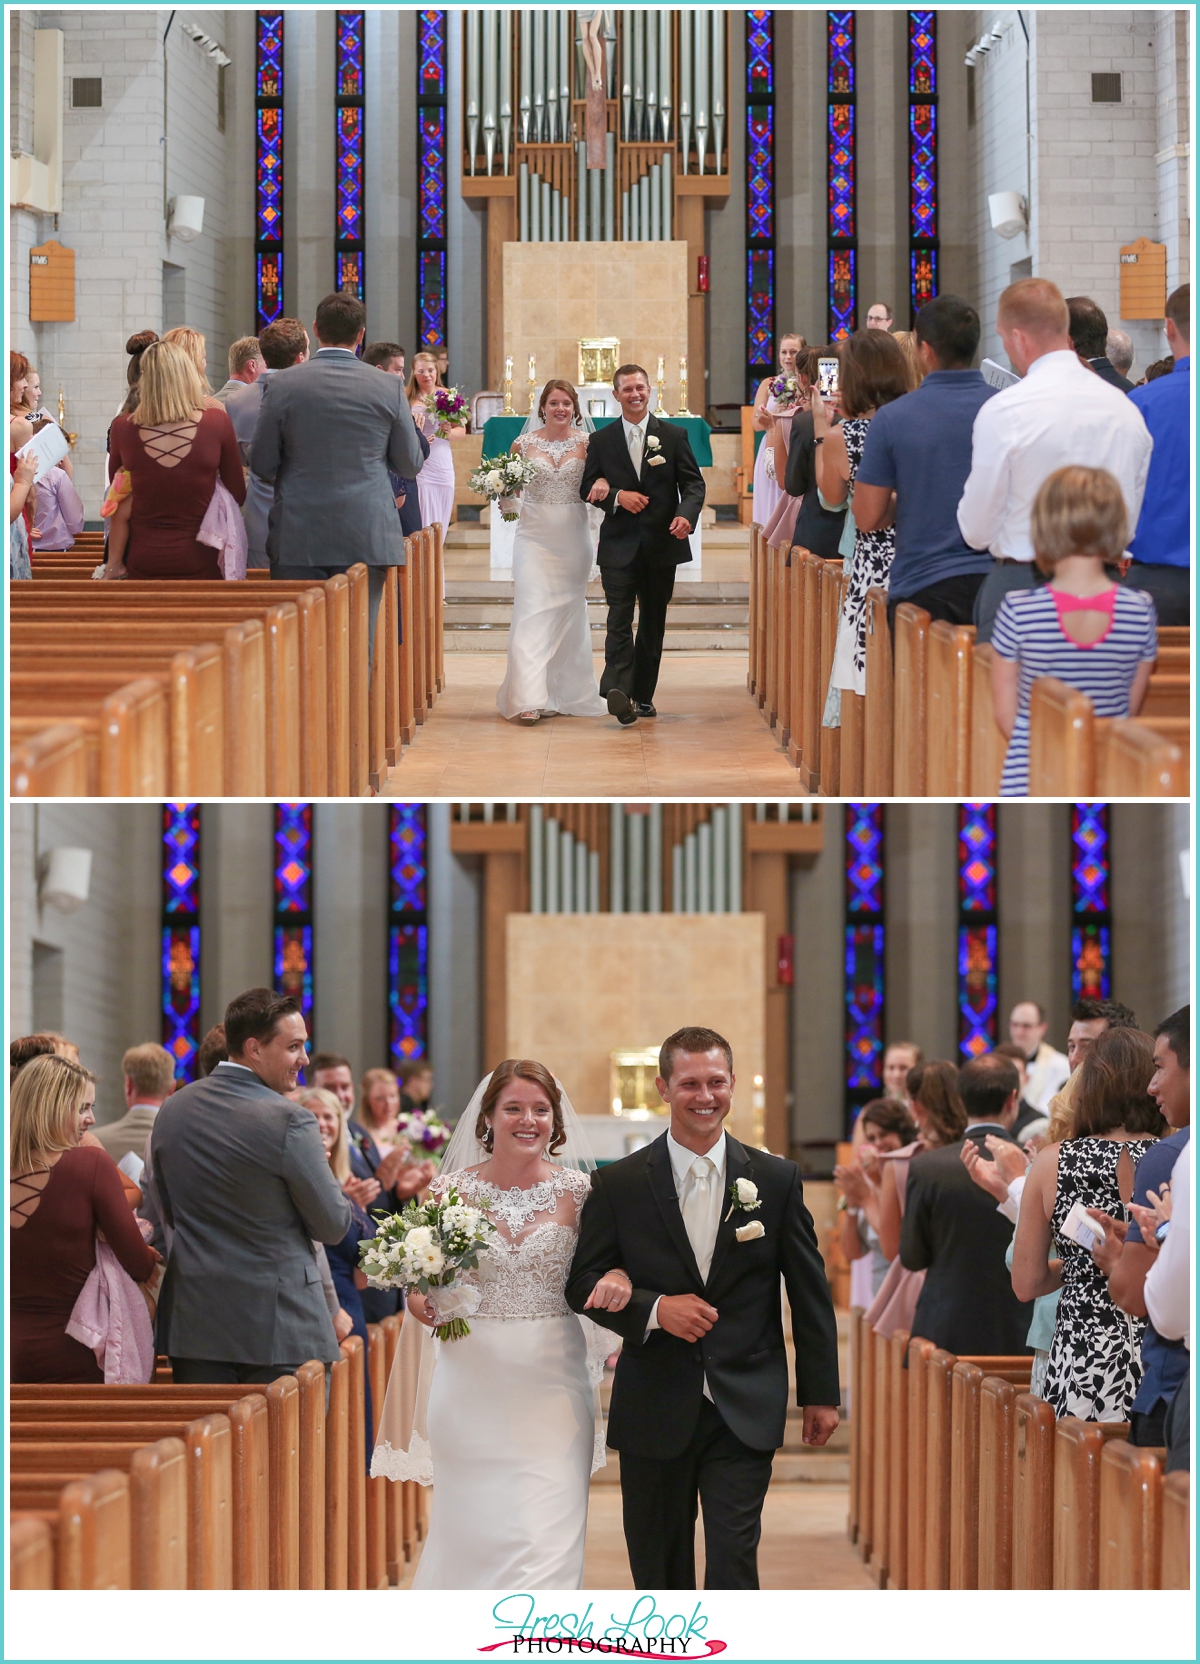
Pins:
x,y
309,197
466,226
800,173
236,903
921,948
1150,908
958,204
881,159
1172,157
1034,872
817,1004
350,925
725,240
389,110
455,966
240,181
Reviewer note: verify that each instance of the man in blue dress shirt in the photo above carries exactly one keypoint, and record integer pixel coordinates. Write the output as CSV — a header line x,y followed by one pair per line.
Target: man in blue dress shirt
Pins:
x,y
1161,550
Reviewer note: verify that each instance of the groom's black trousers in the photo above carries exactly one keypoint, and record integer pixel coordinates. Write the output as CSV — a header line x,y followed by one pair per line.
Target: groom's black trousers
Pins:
x,y
628,665
659,1505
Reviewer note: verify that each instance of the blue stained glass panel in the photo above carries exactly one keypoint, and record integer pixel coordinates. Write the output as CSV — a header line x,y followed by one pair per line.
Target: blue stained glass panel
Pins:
x,y
843,296
1089,857
760,195
922,159
864,858
864,1008
431,48
268,168
977,985
760,46
922,55
1091,954
922,171
431,180
841,170
760,184
977,857
408,937
180,969
760,305
840,27
293,905
432,184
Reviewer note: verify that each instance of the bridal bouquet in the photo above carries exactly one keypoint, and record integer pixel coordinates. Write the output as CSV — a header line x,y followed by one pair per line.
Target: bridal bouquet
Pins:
x,y
785,389
425,1248
450,408
499,477
424,1131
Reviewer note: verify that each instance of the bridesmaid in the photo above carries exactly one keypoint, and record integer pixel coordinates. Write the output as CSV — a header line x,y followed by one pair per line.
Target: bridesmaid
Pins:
x,y
767,489
435,482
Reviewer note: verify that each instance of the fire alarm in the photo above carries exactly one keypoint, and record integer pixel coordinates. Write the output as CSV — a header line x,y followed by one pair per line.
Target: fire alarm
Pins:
x,y
702,273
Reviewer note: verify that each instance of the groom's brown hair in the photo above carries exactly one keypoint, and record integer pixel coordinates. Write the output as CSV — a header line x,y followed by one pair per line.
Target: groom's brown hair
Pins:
x,y
691,1040
630,370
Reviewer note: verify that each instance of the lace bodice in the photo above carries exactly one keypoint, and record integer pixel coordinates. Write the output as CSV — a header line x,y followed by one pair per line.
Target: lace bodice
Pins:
x,y
558,472
525,1273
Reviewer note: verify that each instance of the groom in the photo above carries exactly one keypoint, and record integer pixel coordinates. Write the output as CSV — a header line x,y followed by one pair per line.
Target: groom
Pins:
x,y
705,1228
655,495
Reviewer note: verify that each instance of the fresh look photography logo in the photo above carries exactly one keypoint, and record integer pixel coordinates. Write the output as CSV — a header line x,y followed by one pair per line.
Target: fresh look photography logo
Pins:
x,y
645,1631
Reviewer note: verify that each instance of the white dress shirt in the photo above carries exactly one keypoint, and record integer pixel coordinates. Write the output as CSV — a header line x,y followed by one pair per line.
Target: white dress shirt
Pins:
x,y
638,457
1168,1281
702,1234
1060,413
1046,1073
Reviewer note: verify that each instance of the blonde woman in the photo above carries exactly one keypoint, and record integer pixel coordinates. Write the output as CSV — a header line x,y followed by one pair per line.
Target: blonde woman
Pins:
x,y
61,1193
174,447
192,342
435,482
379,1092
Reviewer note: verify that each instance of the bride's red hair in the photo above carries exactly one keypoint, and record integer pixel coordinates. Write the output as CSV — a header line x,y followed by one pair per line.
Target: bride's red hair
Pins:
x,y
522,1068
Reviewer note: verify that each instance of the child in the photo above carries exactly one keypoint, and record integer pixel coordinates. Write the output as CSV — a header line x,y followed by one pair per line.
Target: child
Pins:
x,y
116,509
1081,626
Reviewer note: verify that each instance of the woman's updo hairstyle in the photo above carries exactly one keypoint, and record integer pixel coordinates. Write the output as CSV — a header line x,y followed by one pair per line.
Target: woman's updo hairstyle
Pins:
x,y
559,387
520,1068
934,1085
135,347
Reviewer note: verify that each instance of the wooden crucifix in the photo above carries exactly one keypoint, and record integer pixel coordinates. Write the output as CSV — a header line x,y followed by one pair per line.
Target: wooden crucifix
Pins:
x,y
593,28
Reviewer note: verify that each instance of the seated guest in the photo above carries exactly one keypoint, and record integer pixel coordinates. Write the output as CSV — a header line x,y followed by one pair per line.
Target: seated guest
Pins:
x,y
245,366
1095,1359
58,515
350,1284
61,1195
954,1234
1124,1256
282,345
1088,329
243,1181
817,528
886,1126
387,356
1081,626
1161,547
915,464
174,447
1089,1019
149,1073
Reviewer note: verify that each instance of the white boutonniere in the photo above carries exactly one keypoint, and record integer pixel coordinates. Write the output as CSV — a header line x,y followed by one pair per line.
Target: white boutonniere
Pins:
x,y
744,1199
653,446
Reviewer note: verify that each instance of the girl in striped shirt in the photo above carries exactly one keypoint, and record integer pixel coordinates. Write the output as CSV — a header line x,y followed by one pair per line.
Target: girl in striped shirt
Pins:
x,y
1081,626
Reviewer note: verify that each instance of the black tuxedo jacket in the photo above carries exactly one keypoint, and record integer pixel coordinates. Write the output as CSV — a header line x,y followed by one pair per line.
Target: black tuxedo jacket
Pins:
x,y
632,1220
674,486
953,1233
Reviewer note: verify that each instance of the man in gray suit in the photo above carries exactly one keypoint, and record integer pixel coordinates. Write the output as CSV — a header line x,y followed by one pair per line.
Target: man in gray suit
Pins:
x,y
244,1183
326,436
282,344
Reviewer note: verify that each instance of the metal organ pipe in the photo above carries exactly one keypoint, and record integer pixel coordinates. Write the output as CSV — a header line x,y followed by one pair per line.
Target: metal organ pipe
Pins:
x,y
564,76
506,108
626,70
526,73
536,883
718,86
667,194
735,858
651,76
523,202
685,83
654,863
664,72
720,861
490,68
616,858
636,826
701,88
639,72
610,189
551,78
473,86
539,76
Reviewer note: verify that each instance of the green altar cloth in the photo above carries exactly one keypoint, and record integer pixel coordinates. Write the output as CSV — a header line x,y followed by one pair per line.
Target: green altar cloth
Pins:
x,y
500,431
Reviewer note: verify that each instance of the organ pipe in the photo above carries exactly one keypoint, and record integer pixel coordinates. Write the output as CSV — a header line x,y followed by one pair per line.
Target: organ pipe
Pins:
x,y
704,867
506,110
639,72
626,71
566,872
635,825
654,863
685,84
735,858
701,89
655,202
564,75
490,68
552,891
718,86
537,896
720,860
539,76
664,61
616,850
526,73
651,77
551,78
473,27
610,189
667,195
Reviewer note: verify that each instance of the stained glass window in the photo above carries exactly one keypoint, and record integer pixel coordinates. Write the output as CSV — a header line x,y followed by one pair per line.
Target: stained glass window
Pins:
x,y
922,159
350,140
864,954
1091,924
977,938
760,198
841,227
294,905
181,935
431,179
408,934
268,164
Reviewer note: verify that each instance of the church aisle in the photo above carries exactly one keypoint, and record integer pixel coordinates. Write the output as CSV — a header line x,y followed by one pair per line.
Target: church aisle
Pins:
x,y
709,740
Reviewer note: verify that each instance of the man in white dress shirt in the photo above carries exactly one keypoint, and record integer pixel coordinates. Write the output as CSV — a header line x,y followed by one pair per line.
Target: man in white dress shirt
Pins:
x,y
1060,413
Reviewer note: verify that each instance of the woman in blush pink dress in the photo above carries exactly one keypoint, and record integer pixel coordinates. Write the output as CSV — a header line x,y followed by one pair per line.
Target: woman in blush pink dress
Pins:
x,y
941,1118
435,482
768,484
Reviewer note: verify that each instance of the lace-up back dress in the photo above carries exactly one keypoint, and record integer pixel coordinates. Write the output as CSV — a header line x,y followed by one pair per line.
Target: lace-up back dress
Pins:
x,y
549,640
511,1415
174,468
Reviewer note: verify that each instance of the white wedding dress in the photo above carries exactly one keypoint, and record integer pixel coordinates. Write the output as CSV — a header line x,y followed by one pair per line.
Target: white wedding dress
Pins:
x,y
509,1410
549,639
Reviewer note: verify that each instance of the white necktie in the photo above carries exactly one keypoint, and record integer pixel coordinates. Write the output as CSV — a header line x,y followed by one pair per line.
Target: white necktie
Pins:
x,y
699,1205
635,450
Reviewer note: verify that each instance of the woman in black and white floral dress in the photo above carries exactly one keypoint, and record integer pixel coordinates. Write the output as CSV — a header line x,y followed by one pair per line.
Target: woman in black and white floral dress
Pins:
x,y
873,370
1095,1357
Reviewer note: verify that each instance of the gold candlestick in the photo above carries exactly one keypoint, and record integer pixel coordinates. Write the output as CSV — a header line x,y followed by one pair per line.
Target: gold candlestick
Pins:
x,y
506,388
62,420
660,408
532,384
683,389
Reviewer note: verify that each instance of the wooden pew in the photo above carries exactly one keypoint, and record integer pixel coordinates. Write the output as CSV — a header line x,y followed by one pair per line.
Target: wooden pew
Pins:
x,y
1176,1532
377,1489
832,587
988,744
397,1552
910,654
795,692
31,1552
356,1488
124,730
1062,740
939,1371
997,1460
884,1425
783,645
812,694
948,709
754,669
313,1459
49,763
1078,1448
1139,758
865,1410
89,1526
770,704
438,593
852,1517
1131,1490
878,738
919,1353
966,1381
897,1534
337,1476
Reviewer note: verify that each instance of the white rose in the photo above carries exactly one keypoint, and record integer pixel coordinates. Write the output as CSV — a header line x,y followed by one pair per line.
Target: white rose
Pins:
x,y
432,1261
751,1232
493,479
653,443
747,1193
419,1237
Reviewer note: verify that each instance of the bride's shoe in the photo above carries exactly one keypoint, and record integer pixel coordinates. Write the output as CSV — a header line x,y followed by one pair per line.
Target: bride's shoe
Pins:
x,y
529,718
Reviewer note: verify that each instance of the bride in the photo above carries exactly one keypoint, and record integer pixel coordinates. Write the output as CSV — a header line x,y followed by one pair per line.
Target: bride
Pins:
x,y
503,1422
549,640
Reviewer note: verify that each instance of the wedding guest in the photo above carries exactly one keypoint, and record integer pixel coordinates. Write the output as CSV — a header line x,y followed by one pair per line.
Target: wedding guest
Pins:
x,y
954,1234
779,528
1161,546
175,446
887,1126
380,1091
1089,336
1095,1362
246,364
1081,626
435,481
1118,349
58,516
389,357
192,342
899,1060
1045,1068
1089,1019
1028,1115
816,528
61,1196
879,315
211,1051
135,347
46,1043
22,500
1059,414
282,344
1169,1302
416,1084
149,1074
767,405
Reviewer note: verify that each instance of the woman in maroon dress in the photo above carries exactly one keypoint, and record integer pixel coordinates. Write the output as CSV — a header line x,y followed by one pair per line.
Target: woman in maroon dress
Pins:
x,y
176,444
61,1193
